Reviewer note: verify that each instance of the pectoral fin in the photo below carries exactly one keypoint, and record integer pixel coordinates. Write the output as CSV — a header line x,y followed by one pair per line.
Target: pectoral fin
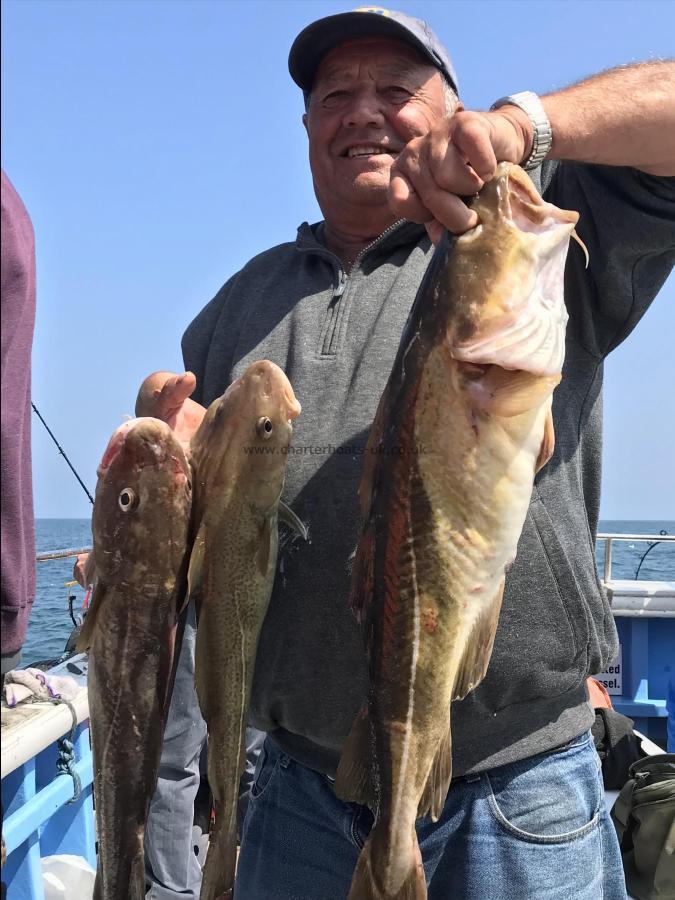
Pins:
x,y
195,577
353,782
547,443
433,798
503,392
288,517
476,657
86,634
267,544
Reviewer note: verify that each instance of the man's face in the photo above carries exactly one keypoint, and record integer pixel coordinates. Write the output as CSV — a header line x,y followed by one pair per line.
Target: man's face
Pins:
x,y
369,98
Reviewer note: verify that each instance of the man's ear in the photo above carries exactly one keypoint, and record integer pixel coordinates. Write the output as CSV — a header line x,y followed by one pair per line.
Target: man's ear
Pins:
x,y
304,120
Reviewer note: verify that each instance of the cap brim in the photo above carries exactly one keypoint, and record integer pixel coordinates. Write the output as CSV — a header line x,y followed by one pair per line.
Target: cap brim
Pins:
x,y
315,41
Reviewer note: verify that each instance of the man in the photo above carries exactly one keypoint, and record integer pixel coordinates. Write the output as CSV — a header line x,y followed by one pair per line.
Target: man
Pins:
x,y
390,146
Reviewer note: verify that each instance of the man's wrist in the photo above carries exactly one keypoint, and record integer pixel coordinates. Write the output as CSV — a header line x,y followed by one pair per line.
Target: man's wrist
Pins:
x,y
523,130
542,134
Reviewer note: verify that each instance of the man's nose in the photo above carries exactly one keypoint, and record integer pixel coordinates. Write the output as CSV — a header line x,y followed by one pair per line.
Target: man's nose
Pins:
x,y
365,109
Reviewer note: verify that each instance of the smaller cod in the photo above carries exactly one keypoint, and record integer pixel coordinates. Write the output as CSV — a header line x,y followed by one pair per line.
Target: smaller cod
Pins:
x,y
140,526
463,425
239,456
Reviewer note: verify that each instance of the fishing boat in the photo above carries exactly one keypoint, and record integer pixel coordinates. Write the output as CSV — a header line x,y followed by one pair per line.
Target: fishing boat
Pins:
x,y
46,752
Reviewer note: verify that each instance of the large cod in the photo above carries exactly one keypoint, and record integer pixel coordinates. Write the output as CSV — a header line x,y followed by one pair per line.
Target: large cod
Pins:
x,y
462,427
140,525
239,455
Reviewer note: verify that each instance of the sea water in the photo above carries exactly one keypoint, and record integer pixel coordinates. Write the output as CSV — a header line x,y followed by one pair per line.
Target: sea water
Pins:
x,y
50,624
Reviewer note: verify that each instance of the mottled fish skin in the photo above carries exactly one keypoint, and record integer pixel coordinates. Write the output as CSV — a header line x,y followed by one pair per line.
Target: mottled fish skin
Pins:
x,y
462,428
140,527
239,456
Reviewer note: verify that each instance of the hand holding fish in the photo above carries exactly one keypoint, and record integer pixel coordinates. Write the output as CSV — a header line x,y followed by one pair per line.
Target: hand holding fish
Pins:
x,y
166,396
453,160
83,570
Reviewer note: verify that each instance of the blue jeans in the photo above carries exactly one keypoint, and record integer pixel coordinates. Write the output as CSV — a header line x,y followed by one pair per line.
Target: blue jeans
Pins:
x,y
171,867
532,830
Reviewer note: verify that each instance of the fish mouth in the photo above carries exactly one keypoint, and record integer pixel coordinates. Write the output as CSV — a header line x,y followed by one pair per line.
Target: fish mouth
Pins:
x,y
115,445
276,388
144,441
522,324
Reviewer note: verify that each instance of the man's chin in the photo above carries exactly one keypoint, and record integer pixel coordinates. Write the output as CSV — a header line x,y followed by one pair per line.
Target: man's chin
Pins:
x,y
371,185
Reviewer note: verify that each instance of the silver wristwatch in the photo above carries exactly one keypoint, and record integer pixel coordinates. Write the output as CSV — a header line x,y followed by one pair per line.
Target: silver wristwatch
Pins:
x,y
541,127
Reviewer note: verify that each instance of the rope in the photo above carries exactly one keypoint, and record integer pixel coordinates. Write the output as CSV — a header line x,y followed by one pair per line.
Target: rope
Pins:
x,y
65,763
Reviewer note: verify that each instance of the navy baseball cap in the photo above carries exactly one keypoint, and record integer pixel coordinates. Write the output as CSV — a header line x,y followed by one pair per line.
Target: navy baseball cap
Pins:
x,y
315,41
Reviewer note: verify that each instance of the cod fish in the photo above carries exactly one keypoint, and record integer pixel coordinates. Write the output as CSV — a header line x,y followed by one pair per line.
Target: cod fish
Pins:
x,y
462,427
140,526
239,456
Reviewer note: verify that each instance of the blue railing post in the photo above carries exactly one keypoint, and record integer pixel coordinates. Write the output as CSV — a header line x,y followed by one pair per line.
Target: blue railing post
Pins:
x,y
23,870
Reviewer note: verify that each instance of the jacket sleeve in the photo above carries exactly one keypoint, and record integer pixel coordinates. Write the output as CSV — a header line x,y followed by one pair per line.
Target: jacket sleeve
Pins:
x,y
198,337
627,222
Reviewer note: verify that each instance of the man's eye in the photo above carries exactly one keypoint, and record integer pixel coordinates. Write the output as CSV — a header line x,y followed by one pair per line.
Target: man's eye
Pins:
x,y
397,93
334,98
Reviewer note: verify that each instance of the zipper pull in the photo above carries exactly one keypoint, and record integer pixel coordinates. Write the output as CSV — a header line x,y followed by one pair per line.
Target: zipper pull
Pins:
x,y
341,285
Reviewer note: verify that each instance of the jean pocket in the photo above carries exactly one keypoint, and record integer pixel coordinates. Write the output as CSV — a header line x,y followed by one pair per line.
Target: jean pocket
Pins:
x,y
553,798
266,767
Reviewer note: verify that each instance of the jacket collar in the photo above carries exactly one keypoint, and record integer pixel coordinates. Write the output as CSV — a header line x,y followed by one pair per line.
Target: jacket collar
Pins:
x,y
310,237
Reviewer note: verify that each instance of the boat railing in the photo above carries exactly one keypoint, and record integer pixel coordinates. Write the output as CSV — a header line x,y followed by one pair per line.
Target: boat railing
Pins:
x,y
47,777
609,537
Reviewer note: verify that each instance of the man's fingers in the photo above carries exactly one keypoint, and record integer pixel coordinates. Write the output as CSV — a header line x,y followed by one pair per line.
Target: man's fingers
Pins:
x,y
435,231
177,389
405,201
451,212
450,169
471,141
427,181
170,398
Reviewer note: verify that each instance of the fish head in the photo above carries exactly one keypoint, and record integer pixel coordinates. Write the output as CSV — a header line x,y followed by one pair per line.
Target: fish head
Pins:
x,y
244,441
510,311
142,506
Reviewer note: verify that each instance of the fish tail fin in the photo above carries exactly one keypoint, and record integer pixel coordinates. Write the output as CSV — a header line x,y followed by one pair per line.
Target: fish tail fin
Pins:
x,y
221,860
406,882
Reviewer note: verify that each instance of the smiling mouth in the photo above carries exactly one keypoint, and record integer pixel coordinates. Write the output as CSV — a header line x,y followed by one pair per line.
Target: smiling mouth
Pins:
x,y
370,150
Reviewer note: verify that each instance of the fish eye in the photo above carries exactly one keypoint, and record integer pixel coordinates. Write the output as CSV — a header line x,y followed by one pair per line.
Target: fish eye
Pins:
x,y
127,500
264,427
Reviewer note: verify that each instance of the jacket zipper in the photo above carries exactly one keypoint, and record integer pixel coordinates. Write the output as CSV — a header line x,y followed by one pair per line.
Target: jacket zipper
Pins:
x,y
331,329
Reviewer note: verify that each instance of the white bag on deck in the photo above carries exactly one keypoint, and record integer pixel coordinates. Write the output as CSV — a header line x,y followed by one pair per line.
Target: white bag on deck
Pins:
x,y
67,877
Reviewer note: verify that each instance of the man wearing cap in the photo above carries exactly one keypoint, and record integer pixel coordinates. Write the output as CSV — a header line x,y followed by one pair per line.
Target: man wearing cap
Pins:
x,y
392,152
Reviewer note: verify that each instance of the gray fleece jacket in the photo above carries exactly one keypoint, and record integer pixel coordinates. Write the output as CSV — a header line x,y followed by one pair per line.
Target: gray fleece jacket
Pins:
x,y
336,337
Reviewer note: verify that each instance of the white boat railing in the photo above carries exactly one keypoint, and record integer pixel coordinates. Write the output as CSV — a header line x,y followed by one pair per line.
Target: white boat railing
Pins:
x,y
609,537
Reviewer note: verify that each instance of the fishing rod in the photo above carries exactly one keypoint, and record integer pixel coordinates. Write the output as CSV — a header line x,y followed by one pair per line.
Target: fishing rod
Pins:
x,y
62,452
653,544
61,554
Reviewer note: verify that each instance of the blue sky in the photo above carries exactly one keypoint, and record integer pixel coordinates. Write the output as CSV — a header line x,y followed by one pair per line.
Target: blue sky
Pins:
x,y
157,145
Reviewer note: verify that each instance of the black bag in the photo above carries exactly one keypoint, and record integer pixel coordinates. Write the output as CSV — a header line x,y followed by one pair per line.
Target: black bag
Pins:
x,y
644,818
617,745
